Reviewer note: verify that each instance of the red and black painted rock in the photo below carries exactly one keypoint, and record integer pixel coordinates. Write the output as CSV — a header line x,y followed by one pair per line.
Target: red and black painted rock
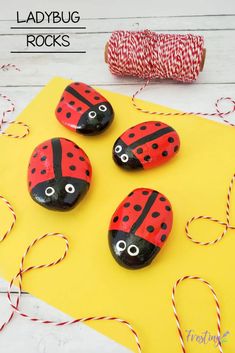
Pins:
x,y
59,174
140,227
146,145
84,110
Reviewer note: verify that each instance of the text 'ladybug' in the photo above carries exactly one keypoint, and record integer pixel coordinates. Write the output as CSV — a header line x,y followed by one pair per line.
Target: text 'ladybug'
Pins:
x,y
84,110
146,145
59,174
139,228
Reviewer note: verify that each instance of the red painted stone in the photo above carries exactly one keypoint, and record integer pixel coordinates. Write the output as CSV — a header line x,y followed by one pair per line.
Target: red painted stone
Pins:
x,y
84,110
59,174
146,145
139,227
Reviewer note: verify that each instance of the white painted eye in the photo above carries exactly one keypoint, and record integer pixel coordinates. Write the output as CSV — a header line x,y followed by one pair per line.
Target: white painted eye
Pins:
x,y
102,108
70,188
118,149
92,114
124,158
121,245
49,191
133,250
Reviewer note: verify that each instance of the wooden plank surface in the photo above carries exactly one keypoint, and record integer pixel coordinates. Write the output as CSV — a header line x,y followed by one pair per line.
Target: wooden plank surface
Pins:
x,y
213,19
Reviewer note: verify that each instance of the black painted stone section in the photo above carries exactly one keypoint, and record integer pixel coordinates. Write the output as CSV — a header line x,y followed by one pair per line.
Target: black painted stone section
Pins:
x,y
60,200
147,250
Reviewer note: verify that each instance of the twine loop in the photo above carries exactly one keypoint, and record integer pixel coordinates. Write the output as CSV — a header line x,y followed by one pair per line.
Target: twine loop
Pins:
x,y
225,224
177,316
11,109
17,279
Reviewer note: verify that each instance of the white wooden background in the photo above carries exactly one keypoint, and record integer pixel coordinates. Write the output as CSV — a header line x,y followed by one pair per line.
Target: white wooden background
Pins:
x,y
214,19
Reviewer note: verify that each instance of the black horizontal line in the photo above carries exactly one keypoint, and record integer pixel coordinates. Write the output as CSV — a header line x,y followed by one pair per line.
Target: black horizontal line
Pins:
x,y
49,52
48,27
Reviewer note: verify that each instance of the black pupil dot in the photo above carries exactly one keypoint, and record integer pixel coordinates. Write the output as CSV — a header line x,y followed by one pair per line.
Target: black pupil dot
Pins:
x,y
162,198
72,103
165,153
82,159
131,135
168,208
137,207
96,98
43,171
87,91
43,158
133,249
115,219
33,170
72,167
171,139
59,110
154,146
158,124
87,172
125,219
121,245
35,155
155,214
69,154
45,147
143,127
79,109
145,192
68,115
163,237
140,150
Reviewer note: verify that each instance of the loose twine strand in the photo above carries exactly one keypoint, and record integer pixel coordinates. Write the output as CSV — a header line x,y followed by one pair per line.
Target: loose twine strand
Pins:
x,y
11,109
149,55
226,224
17,279
177,317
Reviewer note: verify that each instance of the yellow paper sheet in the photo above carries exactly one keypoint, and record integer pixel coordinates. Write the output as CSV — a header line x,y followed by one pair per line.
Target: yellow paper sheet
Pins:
x,y
89,282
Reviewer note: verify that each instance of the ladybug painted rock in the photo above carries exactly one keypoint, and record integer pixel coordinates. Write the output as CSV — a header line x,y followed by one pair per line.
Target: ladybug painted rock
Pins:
x,y
139,228
84,110
59,174
146,145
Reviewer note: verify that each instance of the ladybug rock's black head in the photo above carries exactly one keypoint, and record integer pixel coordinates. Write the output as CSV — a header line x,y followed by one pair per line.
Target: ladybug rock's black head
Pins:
x,y
131,251
123,156
96,119
59,194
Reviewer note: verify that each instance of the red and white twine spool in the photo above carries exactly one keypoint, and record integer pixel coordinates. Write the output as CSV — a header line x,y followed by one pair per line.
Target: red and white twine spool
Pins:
x,y
150,55
225,224
11,109
177,317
